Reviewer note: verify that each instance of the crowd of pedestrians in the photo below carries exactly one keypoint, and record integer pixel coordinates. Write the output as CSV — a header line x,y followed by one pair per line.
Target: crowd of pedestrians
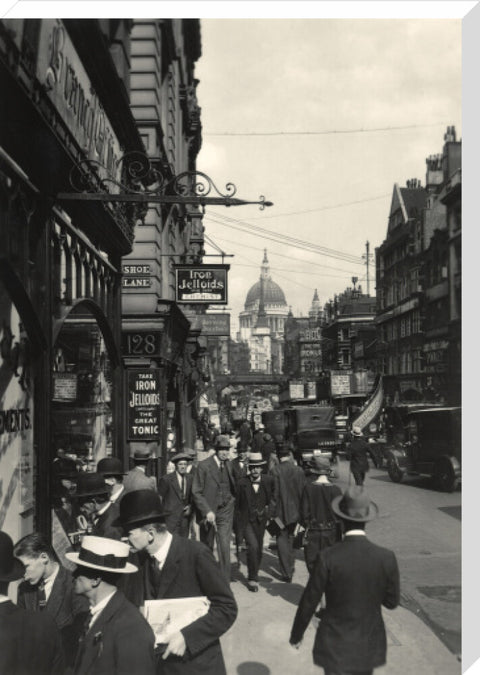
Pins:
x,y
144,541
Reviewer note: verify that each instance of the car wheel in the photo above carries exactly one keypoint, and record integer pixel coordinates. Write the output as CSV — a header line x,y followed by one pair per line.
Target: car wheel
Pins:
x,y
394,471
444,476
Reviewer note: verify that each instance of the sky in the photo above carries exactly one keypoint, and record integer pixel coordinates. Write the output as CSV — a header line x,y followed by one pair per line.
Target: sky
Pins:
x,y
322,117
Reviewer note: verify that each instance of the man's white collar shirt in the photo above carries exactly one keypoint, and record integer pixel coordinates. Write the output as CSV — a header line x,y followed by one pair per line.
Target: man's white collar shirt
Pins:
x,y
114,498
48,582
161,555
354,532
101,511
4,598
96,609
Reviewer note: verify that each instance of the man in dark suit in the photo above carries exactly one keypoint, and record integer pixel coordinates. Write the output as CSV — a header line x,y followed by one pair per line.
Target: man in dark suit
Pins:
x,y
93,499
289,485
107,515
245,434
136,478
175,567
175,489
255,504
48,588
117,639
358,451
239,470
357,577
30,642
213,492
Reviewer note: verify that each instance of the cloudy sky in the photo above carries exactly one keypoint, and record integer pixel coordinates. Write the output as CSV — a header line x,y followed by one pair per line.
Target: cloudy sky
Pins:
x,y
322,117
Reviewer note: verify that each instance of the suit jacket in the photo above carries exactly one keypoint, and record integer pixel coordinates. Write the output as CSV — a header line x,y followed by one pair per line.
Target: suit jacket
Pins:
x,y
358,451
190,570
137,480
64,606
119,642
289,485
173,500
357,577
245,502
238,471
30,642
206,485
107,524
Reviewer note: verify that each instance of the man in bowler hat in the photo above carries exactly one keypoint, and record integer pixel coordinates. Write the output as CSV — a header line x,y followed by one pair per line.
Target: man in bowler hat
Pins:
x,y
357,577
117,639
176,491
30,642
213,492
175,567
93,499
136,478
255,505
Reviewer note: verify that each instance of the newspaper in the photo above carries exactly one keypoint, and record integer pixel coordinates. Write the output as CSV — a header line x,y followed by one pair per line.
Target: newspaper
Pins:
x,y
169,616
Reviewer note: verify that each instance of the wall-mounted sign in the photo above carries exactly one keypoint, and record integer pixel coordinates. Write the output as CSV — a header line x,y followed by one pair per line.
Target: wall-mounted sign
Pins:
x,y
201,284
296,389
65,386
215,324
141,342
143,405
61,72
340,382
136,276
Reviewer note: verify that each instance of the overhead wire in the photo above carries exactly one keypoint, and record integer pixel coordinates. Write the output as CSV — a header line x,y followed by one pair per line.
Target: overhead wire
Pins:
x,y
325,132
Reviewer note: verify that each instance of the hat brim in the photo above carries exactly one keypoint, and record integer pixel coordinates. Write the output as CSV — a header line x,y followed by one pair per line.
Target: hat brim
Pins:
x,y
80,495
132,523
17,572
261,463
355,519
128,569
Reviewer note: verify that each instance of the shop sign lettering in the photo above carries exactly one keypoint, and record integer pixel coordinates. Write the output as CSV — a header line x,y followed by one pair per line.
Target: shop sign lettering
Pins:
x,y
14,420
143,404
201,284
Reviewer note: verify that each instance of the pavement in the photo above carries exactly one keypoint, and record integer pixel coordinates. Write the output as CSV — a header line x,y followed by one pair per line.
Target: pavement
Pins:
x,y
257,643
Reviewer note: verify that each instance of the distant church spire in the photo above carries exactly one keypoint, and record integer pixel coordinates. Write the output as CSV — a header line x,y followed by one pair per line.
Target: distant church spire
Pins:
x,y
316,309
262,321
265,273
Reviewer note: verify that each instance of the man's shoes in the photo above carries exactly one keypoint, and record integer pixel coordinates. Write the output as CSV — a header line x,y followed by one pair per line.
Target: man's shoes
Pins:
x,y
252,586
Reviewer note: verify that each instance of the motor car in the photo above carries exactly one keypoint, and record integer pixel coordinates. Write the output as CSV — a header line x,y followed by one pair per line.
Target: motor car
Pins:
x,y
431,447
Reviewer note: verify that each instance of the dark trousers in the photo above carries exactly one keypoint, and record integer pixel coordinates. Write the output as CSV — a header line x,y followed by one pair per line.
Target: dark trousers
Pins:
x,y
348,672
317,540
286,555
223,528
359,476
254,533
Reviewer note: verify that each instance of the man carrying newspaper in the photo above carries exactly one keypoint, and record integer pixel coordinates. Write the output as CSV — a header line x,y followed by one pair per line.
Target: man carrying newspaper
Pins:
x,y
175,568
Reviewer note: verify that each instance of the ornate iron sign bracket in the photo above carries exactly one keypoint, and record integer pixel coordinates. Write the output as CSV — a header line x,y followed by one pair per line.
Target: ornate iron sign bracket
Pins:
x,y
141,183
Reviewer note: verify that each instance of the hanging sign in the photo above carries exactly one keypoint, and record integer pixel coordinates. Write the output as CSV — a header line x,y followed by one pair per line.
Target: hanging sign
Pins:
x,y
215,324
201,284
143,404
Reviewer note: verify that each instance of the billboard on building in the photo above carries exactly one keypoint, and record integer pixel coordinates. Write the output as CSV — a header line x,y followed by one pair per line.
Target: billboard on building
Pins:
x,y
201,284
215,324
340,382
143,404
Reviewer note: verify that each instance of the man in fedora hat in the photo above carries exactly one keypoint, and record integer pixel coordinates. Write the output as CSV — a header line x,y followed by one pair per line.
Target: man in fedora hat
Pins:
x,y
316,513
358,451
48,588
213,492
176,491
175,567
117,638
93,499
255,505
136,478
357,577
30,642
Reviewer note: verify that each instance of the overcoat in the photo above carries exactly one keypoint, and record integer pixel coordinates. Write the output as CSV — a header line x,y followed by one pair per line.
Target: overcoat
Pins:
x,y
289,484
190,570
119,642
64,606
173,501
108,525
358,452
29,642
357,577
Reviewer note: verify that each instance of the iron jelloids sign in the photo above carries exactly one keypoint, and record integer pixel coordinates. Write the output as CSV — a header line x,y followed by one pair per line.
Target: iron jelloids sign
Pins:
x,y
201,284
143,404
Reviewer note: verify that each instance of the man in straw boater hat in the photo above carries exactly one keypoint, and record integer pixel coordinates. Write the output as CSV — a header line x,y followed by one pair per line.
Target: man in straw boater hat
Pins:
x,y
358,451
30,642
175,567
136,478
117,638
357,577
213,492
255,505
175,489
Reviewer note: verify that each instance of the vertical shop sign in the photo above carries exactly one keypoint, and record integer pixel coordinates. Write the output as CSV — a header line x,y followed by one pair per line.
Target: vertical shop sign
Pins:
x,y
143,403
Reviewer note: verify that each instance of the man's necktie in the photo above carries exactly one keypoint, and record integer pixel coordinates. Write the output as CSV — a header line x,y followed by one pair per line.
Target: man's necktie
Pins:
x,y
42,598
